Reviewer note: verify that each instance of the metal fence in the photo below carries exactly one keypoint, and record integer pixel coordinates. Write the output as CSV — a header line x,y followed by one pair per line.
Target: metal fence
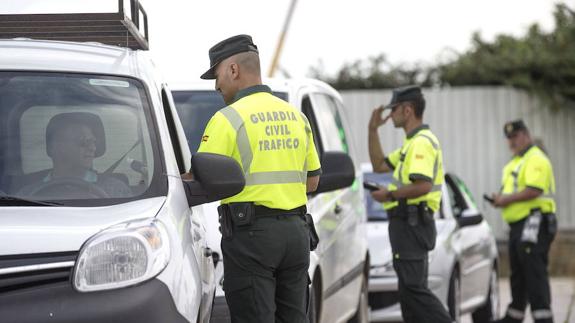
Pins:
x,y
469,123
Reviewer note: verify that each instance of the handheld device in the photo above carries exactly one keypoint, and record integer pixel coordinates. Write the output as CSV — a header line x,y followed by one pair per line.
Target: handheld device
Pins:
x,y
371,186
488,198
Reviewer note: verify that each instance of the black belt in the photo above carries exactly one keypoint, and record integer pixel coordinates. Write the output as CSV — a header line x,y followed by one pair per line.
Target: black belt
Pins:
x,y
261,210
402,212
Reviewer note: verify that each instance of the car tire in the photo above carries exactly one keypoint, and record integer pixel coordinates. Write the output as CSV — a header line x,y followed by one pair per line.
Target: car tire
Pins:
x,y
454,297
313,304
490,310
362,313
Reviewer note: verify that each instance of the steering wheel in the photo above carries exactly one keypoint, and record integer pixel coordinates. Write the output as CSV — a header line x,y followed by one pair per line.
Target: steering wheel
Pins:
x,y
68,186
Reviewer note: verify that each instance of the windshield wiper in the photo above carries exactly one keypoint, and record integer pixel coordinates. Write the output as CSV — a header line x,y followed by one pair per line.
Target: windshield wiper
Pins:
x,y
18,201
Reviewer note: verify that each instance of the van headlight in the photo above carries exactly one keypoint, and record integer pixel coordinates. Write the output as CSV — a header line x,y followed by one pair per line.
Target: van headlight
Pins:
x,y
122,255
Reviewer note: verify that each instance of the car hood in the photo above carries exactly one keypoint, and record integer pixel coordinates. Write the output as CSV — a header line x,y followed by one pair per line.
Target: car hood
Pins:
x,y
378,239
28,230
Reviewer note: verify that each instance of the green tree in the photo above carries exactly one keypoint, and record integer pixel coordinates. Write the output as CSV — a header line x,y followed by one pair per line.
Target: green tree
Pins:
x,y
540,63
374,73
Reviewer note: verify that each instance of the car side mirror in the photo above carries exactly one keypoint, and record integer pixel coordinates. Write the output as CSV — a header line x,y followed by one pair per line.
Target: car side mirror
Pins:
x,y
469,217
215,177
338,172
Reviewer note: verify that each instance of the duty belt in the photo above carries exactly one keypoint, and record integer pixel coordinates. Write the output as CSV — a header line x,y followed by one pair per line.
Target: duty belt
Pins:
x,y
404,210
262,211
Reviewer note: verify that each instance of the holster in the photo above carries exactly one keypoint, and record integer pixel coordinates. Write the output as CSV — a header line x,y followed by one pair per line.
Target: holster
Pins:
x,y
313,237
551,223
225,219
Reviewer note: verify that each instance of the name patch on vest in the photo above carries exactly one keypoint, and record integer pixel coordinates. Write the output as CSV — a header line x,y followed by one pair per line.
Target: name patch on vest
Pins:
x,y
277,129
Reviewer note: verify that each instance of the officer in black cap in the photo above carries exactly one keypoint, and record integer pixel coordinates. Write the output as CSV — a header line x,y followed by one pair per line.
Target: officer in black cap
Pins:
x,y
265,230
410,201
527,203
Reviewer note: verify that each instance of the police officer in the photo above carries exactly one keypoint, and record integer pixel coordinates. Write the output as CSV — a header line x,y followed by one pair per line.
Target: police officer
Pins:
x,y
529,209
265,240
410,200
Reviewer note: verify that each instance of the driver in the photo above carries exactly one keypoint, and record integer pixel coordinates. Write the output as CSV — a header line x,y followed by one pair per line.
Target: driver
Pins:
x,y
73,141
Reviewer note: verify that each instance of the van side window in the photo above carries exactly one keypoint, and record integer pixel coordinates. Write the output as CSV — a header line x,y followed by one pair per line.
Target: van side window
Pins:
x,y
173,133
329,122
307,109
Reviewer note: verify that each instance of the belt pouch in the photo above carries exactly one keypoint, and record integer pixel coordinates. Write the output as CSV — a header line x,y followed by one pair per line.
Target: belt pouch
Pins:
x,y
243,213
531,226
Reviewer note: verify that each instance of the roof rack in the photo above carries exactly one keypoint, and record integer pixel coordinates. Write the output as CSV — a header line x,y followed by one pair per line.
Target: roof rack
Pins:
x,y
107,28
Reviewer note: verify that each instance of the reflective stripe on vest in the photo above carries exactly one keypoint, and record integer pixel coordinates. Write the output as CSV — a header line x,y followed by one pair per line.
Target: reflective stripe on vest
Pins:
x,y
246,155
399,182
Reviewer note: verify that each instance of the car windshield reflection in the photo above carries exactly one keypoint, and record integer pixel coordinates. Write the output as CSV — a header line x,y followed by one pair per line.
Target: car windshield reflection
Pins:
x,y
375,211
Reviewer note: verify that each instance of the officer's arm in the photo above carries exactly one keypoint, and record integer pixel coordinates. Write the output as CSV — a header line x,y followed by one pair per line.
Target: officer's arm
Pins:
x,y
414,190
311,184
527,194
376,155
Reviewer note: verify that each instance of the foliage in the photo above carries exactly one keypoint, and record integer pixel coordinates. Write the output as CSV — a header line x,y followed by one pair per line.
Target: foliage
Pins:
x,y
541,63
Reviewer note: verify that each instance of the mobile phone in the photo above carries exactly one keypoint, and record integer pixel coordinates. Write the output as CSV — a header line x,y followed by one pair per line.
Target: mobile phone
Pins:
x,y
371,186
488,198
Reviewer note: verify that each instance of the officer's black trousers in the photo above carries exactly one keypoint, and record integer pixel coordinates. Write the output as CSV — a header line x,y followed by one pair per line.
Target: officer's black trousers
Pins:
x,y
418,303
410,244
265,270
529,277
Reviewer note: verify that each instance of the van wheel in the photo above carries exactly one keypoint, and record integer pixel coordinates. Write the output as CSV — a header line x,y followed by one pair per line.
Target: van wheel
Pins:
x,y
454,297
313,304
490,310
362,313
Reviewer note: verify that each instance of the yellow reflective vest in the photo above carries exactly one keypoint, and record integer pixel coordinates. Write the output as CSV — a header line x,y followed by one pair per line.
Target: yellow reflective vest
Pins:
x,y
420,157
273,144
533,169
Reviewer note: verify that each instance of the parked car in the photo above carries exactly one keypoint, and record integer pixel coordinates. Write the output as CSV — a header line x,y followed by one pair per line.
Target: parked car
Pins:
x,y
462,267
339,266
96,224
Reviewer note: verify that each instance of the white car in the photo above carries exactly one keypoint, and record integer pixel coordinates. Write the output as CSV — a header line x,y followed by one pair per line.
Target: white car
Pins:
x,y
96,224
339,266
462,267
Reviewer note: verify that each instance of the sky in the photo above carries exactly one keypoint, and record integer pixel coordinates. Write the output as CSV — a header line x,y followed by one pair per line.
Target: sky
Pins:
x,y
330,32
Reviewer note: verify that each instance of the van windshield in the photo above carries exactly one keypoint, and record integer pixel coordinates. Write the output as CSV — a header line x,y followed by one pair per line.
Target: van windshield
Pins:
x,y
195,109
80,140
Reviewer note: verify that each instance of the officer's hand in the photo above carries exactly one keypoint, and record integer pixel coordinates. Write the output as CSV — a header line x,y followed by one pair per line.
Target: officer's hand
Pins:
x,y
380,195
498,200
188,176
376,120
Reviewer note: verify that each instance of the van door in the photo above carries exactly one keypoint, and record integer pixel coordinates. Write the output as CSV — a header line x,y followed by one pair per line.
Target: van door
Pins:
x,y
343,214
183,157
473,242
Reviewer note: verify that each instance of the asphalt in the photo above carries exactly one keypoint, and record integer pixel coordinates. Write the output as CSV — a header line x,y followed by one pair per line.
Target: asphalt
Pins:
x,y
563,300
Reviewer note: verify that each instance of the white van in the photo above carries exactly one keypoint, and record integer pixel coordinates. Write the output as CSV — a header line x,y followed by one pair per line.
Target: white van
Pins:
x,y
339,267
96,224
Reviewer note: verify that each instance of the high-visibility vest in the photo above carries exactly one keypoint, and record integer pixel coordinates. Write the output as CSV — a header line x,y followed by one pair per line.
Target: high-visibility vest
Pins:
x,y
272,142
420,157
530,169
